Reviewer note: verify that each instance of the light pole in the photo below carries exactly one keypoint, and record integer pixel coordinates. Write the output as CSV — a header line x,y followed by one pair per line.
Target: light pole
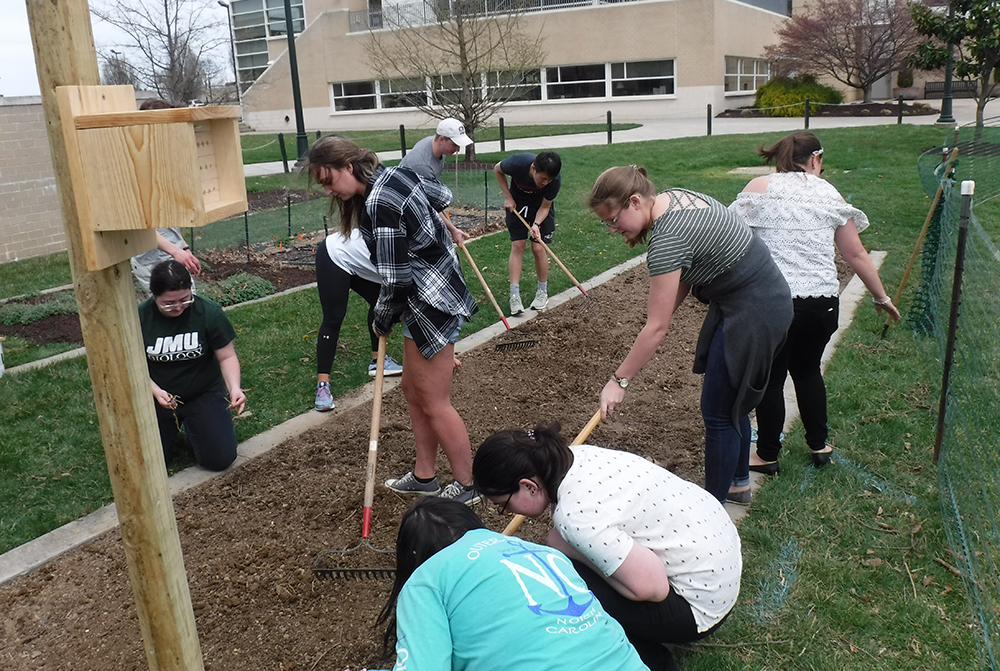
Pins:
x,y
232,52
301,141
946,97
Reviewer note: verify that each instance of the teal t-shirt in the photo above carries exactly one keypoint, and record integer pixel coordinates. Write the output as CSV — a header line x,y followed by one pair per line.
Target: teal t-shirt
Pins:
x,y
492,602
180,351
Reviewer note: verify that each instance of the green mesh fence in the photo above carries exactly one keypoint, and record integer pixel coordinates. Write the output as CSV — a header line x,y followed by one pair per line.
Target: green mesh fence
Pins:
x,y
969,462
474,189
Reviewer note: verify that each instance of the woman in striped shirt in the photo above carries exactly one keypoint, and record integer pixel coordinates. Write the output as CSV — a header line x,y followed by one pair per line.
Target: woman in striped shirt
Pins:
x,y
697,245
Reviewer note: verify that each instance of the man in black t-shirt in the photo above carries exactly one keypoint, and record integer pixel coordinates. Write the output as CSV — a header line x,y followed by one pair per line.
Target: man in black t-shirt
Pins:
x,y
534,184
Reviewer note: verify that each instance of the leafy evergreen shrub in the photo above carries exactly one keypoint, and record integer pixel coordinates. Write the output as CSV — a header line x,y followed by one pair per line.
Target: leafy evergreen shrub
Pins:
x,y
904,78
782,91
237,288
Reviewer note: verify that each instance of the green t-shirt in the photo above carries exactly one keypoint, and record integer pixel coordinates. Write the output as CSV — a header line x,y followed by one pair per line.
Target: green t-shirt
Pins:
x,y
180,351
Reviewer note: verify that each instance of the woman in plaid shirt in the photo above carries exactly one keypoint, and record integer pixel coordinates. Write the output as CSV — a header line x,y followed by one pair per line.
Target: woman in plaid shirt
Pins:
x,y
422,287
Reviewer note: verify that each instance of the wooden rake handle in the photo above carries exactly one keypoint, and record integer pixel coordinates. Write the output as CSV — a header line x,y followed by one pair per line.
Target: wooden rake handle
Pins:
x,y
366,520
554,257
920,240
482,281
516,522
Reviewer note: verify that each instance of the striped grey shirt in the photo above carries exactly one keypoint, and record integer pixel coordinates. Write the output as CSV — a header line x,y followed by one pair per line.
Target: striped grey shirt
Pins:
x,y
700,242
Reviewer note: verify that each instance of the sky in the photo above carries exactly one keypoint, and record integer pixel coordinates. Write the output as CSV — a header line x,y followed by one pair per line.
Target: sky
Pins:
x,y
18,76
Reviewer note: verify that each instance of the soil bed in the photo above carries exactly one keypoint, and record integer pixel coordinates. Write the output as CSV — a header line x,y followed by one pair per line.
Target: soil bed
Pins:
x,y
251,535
860,109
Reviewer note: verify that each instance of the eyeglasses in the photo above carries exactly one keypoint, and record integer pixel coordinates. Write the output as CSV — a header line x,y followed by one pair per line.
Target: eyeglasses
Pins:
x,y
503,508
613,222
178,304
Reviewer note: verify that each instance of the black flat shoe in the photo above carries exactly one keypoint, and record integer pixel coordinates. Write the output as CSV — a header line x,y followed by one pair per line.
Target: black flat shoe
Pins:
x,y
767,468
821,458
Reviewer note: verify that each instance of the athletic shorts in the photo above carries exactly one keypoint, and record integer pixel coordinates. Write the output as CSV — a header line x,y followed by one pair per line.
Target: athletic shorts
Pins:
x,y
518,231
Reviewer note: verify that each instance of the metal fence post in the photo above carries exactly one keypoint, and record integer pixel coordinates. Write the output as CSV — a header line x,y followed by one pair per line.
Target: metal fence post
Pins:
x,y
318,135
284,154
609,126
899,119
503,139
708,119
246,230
486,197
968,188
288,207
806,113
402,140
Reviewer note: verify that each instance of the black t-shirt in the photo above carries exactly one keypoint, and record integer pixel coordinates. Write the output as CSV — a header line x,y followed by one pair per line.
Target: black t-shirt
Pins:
x,y
180,351
522,186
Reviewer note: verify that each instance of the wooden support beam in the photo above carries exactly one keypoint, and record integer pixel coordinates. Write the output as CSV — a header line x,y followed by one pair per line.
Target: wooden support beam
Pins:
x,y
65,56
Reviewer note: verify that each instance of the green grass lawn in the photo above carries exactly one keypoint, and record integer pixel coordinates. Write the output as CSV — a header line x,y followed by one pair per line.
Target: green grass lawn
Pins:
x,y
844,567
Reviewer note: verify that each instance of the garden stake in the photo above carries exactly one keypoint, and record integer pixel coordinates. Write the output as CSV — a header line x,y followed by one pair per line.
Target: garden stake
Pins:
x,y
555,258
920,240
515,523
366,520
529,342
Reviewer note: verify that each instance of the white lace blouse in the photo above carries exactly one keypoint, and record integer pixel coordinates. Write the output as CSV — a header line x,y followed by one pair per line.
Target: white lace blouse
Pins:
x,y
796,217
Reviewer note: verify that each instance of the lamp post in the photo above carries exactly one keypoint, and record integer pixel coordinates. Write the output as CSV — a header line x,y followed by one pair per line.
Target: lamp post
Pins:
x,y
301,141
232,52
946,97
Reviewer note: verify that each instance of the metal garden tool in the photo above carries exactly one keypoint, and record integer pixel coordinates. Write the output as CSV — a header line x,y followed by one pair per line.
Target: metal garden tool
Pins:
x,y
516,522
321,571
554,257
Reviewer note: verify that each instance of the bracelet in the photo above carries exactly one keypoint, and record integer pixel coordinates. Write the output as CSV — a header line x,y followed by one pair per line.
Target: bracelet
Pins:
x,y
883,302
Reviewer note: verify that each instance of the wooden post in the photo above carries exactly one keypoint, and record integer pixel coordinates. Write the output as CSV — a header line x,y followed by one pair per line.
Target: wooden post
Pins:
x,y
65,56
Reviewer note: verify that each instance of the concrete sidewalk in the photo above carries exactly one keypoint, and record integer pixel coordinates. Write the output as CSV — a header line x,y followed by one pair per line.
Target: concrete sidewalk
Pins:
x,y
963,110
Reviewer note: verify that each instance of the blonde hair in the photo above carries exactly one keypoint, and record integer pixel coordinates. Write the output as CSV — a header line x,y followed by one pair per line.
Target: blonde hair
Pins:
x,y
337,152
616,185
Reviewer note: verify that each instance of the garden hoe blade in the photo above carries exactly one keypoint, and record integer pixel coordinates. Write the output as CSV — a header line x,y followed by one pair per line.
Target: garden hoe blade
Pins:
x,y
368,573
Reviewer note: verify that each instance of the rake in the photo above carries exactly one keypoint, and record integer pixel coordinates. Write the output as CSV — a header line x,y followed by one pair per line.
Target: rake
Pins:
x,y
528,342
516,522
373,573
554,258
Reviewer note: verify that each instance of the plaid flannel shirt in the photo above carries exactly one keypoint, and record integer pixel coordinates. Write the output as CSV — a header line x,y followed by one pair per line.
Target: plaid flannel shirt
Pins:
x,y
422,282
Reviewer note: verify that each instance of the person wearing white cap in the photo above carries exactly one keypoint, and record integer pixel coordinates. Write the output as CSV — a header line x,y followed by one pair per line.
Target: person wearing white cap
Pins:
x,y
427,158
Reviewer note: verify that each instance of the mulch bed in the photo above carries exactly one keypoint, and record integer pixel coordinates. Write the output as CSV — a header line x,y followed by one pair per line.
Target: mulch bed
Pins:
x,y
860,109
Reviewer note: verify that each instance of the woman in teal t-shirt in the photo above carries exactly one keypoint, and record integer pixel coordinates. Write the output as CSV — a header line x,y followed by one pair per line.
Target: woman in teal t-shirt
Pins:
x,y
469,598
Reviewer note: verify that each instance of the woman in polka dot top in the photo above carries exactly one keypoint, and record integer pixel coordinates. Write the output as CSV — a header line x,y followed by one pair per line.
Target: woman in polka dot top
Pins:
x,y
660,553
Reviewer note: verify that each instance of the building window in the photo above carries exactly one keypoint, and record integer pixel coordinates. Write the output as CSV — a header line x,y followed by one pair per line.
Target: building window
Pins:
x,y
402,92
746,75
254,21
642,78
518,86
351,96
575,81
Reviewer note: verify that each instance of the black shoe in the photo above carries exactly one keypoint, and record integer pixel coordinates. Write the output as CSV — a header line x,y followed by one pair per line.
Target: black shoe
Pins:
x,y
821,458
767,468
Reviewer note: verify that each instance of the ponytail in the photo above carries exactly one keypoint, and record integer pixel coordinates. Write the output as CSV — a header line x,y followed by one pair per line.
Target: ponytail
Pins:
x,y
507,457
792,152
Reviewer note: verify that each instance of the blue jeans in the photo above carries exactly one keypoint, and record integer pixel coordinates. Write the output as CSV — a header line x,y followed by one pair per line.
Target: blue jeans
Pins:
x,y
727,450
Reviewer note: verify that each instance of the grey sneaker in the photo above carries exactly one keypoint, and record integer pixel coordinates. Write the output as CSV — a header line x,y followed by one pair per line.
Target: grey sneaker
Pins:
x,y
324,397
541,300
391,368
456,491
408,484
516,307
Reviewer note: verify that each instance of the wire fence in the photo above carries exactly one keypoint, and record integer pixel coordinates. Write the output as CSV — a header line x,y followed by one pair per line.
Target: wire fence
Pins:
x,y
297,224
969,370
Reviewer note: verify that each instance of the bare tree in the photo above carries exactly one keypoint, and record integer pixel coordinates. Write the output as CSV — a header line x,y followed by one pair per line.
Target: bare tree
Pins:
x,y
173,39
116,70
455,58
857,42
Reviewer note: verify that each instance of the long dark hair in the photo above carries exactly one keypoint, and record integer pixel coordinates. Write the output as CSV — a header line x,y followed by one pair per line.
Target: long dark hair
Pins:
x,y
792,152
168,276
337,152
507,457
428,527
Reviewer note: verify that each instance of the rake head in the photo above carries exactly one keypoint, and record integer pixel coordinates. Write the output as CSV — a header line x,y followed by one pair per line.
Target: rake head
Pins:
x,y
516,345
322,571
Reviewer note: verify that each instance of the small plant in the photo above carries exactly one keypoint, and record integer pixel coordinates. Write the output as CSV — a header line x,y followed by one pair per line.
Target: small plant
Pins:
x,y
904,78
785,96
35,308
237,288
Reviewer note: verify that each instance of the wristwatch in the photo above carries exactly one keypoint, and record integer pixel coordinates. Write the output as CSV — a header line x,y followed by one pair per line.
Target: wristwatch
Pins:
x,y
622,381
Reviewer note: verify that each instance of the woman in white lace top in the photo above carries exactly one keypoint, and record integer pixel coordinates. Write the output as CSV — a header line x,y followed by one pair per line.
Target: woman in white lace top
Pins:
x,y
802,217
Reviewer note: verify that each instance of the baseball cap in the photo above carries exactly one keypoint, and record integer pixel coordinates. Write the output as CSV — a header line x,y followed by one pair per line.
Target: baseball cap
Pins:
x,y
454,130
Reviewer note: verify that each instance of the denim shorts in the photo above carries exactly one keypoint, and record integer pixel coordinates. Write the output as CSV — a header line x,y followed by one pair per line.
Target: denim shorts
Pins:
x,y
451,334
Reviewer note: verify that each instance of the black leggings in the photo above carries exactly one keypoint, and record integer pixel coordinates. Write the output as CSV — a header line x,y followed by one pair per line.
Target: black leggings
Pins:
x,y
334,285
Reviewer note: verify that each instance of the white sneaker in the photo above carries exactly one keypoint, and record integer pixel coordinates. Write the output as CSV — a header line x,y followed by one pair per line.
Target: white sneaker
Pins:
x,y
541,300
516,307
